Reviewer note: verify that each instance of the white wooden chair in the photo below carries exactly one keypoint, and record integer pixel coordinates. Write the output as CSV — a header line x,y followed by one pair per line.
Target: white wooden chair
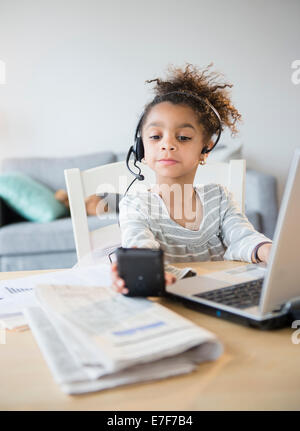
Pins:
x,y
231,175
115,178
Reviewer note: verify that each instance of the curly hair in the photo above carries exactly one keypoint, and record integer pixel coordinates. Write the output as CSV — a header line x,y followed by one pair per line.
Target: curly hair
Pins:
x,y
204,83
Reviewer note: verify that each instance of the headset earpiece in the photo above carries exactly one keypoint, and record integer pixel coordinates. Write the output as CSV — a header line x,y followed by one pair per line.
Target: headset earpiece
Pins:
x,y
139,149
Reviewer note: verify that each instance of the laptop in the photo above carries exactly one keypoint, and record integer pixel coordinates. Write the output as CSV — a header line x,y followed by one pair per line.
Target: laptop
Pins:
x,y
257,295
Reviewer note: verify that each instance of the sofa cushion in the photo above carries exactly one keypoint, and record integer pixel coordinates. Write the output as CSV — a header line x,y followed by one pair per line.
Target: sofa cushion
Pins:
x,y
121,156
261,197
226,151
56,236
28,262
50,171
254,218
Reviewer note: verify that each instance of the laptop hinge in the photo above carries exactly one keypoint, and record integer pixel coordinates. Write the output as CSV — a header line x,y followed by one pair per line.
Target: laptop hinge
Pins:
x,y
293,308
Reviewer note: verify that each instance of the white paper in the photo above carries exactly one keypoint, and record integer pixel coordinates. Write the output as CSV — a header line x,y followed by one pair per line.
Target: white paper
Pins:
x,y
13,322
15,295
19,293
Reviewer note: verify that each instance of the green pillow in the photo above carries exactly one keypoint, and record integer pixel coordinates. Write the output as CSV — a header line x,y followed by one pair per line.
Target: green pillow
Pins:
x,y
29,198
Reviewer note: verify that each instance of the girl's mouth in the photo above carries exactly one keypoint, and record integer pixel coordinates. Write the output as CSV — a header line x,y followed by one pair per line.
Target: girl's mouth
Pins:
x,y
167,162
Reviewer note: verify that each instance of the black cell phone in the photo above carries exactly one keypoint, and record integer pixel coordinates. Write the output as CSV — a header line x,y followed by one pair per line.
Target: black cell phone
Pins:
x,y
142,269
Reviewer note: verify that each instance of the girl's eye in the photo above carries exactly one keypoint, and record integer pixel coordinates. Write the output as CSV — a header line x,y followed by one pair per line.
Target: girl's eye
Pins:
x,y
184,138
155,137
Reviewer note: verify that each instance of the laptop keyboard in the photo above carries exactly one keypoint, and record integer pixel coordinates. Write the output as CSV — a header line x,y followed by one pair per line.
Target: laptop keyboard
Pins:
x,y
241,295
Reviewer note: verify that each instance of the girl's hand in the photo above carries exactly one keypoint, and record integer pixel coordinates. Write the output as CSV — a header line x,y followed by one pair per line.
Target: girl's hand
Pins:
x,y
118,284
169,278
264,252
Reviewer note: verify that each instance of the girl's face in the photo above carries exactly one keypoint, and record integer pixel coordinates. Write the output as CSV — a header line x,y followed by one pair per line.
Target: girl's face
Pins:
x,y
173,140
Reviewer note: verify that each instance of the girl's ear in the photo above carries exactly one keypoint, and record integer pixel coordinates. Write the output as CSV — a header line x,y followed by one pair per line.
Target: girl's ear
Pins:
x,y
208,146
204,156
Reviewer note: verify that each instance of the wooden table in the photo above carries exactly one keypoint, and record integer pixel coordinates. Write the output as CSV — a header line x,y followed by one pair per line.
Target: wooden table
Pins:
x,y
259,370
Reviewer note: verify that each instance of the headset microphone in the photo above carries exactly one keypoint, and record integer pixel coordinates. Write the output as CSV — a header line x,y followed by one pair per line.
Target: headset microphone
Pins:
x,y
138,176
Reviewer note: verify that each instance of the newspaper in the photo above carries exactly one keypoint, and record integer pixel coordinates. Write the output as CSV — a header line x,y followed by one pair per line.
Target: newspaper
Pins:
x,y
94,338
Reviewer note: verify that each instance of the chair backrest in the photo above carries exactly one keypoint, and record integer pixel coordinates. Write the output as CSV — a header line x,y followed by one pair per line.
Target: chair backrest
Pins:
x,y
111,178
231,175
115,178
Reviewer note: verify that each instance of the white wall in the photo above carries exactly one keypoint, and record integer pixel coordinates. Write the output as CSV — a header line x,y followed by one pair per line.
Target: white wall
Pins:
x,y
75,71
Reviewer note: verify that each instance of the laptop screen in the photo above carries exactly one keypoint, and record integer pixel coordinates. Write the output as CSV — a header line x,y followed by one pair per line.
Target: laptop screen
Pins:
x,y
282,280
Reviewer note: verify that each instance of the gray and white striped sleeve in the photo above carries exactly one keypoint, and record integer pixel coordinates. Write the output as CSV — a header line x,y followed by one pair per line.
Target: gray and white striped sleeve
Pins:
x,y
134,225
238,234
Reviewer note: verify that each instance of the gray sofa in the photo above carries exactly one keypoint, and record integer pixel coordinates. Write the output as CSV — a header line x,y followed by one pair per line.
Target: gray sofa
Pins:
x,y
26,245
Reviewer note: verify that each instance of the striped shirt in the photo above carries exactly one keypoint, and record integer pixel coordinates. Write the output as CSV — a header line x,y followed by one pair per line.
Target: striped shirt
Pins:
x,y
224,233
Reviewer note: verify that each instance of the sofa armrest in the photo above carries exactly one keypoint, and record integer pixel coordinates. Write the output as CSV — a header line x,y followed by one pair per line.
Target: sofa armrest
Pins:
x,y
8,215
261,198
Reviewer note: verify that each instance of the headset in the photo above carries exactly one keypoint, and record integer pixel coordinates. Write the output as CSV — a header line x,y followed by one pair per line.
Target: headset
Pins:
x,y
138,148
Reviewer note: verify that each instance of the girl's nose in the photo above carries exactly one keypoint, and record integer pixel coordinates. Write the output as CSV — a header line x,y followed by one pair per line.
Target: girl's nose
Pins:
x,y
168,144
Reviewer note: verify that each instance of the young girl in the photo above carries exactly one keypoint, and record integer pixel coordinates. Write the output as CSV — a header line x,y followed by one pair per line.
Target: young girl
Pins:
x,y
188,223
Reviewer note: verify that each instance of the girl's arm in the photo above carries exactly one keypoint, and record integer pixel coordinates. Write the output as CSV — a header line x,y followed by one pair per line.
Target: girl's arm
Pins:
x,y
238,234
134,225
136,233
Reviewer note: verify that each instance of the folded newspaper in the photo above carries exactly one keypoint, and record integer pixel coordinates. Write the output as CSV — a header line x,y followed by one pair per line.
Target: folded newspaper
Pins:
x,y
93,338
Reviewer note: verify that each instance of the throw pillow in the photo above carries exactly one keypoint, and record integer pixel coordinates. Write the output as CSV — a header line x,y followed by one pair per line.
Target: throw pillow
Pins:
x,y
31,199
